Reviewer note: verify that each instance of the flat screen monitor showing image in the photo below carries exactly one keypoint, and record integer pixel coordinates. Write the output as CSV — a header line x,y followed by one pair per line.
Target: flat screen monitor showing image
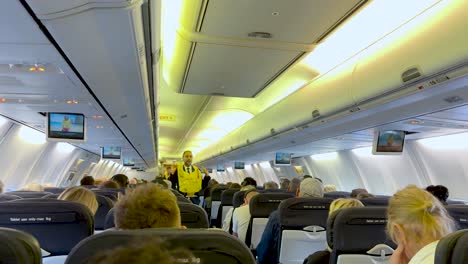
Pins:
x,y
282,159
128,162
66,127
111,152
238,165
220,167
389,142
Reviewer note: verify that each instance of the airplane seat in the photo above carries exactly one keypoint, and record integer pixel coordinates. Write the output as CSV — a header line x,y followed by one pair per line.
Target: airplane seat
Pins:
x,y
459,214
238,199
460,252
104,205
260,207
182,199
57,225
193,216
303,226
446,246
176,193
376,201
18,247
226,203
113,195
337,194
215,204
58,190
449,202
8,197
357,235
210,246
52,196
29,194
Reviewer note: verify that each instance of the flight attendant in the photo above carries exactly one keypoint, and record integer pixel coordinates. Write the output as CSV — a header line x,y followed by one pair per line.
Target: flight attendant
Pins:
x,y
187,178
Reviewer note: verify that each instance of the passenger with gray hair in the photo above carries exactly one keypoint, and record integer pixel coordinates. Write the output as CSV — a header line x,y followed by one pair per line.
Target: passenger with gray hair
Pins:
x,y
267,249
284,183
271,185
294,185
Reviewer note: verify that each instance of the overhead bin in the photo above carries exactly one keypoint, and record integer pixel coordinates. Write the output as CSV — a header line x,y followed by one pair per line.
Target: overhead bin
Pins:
x,y
238,48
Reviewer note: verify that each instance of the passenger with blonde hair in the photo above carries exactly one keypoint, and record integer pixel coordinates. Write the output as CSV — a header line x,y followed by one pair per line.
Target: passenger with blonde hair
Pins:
x,y
80,195
329,188
416,222
147,206
33,187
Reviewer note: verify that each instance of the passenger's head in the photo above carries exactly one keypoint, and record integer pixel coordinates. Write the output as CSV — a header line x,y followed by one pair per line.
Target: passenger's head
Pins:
x,y
109,185
355,192
151,250
248,196
329,188
417,218
80,195
364,196
133,181
147,206
1,187
87,180
342,203
271,185
249,181
212,182
98,181
439,191
235,186
121,179
284,183
33,187
294,185
187,156
160,181
310,187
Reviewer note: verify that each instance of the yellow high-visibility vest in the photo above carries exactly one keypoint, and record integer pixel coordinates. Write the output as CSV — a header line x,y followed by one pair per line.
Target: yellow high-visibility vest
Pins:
x,y
189,183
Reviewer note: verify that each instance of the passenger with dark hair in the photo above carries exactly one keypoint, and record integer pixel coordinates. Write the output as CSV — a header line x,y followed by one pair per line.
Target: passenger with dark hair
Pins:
x,y
306,176
120,179
284,183
109,185
249,181
152,250
235,186
364,195
271,185
439,191
205,181
294,185
356,192
87,180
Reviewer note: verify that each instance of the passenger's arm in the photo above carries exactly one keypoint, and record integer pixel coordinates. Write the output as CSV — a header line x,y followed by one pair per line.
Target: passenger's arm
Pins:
x,y
267,249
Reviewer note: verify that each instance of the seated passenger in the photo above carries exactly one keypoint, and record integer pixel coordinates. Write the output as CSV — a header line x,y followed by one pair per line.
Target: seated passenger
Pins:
x,y
284,183
440,192
33,187
142,252
416,222
80,195
329,188
98,181
324,256
294,185
267,249
120,179
228,217
147,206
271,185
87,180
161,181
356,192
364,195
235,186
249,181
241,217
109,185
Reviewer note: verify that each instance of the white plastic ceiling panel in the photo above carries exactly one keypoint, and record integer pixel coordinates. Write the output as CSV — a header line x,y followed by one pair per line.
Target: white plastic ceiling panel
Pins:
x,y
234,71
298,21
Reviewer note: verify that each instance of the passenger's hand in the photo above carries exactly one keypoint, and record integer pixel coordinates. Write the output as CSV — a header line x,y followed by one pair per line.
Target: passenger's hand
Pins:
x,y
399,256
205,170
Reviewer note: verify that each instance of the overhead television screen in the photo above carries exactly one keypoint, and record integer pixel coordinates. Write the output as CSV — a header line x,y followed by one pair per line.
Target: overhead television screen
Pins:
x,y
238,165
66,127
111,152
389,142
220,167
282,158
128,162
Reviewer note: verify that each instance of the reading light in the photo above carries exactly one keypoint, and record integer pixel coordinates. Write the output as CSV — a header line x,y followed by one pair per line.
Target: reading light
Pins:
x,y
36,69
31,136
72,102
325,156
99,127
2,100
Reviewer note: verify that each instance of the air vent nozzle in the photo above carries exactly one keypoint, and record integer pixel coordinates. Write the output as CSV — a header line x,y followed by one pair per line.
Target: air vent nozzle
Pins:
x,y
410,74
315,114
264,35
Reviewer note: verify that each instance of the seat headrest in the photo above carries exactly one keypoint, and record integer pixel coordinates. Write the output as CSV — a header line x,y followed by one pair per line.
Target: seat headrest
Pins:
x,y
227,196
182,199
446,246
18,247
45,218
104,205
460,252
193,216
238,199
29,194
113,195
336,195
263,204
8,197
297,213
216,193
356,230
211,246
52,196
176,193
460,215
376,201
